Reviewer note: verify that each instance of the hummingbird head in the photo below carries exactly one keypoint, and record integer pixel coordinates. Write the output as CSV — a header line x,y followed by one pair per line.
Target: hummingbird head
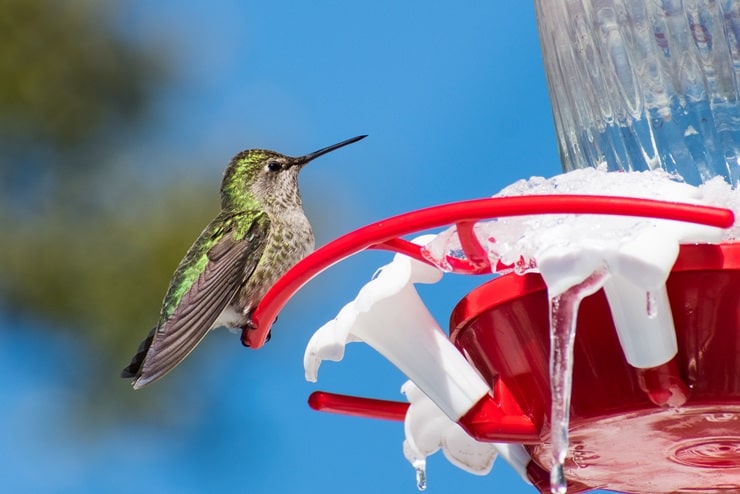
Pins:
x,y
268,178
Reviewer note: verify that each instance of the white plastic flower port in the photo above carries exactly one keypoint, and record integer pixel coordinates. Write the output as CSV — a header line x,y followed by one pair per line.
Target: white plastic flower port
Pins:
x,y
650,287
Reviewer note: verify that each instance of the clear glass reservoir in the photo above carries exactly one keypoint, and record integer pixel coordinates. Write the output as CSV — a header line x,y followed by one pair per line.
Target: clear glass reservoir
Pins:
x,y
645,84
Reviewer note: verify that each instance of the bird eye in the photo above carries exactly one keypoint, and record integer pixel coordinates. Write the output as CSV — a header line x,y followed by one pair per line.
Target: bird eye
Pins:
x,y
273,166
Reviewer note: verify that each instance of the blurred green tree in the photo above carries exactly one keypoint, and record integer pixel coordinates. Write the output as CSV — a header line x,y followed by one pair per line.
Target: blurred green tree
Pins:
x,y
68,82
71,88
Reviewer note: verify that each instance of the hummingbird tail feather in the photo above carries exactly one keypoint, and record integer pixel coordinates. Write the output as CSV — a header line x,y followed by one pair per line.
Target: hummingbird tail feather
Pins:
x,y
133,369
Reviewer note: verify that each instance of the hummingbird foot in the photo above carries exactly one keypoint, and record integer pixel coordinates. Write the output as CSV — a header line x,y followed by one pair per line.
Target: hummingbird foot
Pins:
x,y
245,341
251,326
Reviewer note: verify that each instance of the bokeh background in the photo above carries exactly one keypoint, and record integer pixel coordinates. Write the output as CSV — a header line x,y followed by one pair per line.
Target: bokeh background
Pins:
x,y
116,122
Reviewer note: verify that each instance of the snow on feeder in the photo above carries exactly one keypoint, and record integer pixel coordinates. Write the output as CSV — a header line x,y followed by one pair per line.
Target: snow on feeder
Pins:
x,y
605,353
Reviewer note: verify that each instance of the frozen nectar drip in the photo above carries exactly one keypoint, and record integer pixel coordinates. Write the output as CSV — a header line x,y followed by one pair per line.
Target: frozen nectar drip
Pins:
x,y
563,318
421,475
558,484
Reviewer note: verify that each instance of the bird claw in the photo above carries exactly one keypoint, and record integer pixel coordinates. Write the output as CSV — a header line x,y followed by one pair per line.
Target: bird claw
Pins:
x,y
248,326
251,326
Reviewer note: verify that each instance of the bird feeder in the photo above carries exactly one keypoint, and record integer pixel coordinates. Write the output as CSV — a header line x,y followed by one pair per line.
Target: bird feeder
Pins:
x,y
688,406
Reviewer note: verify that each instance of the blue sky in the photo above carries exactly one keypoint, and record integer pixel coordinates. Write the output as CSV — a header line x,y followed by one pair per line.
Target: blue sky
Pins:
x,y
454,100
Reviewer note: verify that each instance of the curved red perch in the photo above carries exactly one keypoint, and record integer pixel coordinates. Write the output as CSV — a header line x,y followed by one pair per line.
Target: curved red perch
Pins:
x,y
385,234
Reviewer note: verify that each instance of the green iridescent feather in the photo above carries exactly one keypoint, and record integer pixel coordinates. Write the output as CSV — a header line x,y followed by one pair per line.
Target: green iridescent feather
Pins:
x,y
196,259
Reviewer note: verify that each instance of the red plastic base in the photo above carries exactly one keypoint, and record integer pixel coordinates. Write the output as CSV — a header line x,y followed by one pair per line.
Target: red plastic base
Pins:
x,y
690,449
620,439
498,418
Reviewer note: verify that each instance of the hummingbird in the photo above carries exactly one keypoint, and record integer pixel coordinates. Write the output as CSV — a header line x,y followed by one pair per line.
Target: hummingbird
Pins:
x,y
260,233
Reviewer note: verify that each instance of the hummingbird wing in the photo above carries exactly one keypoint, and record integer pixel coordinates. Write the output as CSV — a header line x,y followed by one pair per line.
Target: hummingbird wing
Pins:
x,y
230,256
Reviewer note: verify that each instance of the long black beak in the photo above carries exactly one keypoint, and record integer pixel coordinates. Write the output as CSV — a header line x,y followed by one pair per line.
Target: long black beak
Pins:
x,y
302,160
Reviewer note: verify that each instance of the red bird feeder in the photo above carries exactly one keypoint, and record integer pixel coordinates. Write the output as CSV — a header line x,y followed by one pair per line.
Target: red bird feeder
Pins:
x,y
670,428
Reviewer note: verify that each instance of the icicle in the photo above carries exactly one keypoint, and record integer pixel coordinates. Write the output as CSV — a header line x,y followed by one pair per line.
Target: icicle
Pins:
x,y
421,475
558,484
563,318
